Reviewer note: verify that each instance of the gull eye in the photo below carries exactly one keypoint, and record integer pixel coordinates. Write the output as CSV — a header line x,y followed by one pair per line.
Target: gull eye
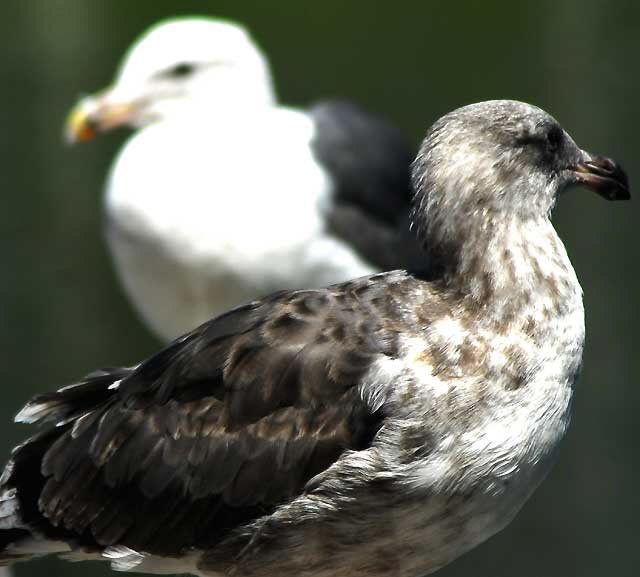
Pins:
x,y
181,70
554,138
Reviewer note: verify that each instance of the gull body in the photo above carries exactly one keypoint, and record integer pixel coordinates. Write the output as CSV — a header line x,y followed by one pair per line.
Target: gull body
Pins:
x,y
222,194
185,252
382,426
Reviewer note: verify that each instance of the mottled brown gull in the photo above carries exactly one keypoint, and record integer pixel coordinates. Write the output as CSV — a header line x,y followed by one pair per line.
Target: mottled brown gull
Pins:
x,y
382,426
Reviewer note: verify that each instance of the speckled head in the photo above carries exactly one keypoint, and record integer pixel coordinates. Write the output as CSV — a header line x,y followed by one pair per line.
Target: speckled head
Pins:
x,y
498,161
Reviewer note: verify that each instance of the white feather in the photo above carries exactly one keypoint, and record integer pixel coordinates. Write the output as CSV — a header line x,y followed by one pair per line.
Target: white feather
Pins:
x,y
218,199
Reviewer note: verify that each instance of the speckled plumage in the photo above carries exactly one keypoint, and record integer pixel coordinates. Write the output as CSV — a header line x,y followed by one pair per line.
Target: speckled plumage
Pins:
x,y
382,426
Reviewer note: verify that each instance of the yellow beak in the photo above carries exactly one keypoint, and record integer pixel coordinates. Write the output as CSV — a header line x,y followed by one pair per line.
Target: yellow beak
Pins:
x,y
95,114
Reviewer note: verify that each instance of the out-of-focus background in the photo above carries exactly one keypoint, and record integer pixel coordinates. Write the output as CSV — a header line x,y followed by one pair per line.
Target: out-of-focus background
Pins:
x,y
63,314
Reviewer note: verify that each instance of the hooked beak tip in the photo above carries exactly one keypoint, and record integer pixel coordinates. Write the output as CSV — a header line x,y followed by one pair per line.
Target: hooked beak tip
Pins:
x,y
604,176
81,124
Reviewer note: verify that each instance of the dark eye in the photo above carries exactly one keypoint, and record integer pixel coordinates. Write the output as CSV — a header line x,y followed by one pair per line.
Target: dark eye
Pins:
x,y
181,70
554,138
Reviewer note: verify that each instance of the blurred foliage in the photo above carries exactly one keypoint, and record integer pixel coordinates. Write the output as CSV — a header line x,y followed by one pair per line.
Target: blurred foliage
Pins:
x,y
63,314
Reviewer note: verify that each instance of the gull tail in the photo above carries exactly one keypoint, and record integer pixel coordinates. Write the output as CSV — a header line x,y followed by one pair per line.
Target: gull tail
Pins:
x,y
24,531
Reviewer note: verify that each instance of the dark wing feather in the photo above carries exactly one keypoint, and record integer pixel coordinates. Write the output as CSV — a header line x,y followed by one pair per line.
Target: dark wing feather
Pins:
x,y
214,430
369,161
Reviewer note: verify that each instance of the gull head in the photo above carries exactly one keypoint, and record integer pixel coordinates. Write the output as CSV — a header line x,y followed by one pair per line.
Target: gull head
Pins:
x,y
181,67
501,160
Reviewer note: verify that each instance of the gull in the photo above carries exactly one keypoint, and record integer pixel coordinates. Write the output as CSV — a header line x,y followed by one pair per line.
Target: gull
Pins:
x,y
223,195
381,426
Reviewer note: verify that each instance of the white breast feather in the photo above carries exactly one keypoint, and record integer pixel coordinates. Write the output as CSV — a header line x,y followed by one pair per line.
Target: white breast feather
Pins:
x,y
203,219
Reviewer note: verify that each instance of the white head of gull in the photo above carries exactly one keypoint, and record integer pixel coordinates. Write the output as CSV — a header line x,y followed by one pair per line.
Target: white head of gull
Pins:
x,y
185,67
382,426
222,194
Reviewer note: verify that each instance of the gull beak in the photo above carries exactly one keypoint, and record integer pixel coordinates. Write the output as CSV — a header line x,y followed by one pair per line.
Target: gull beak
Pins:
x,y
97,113
603,175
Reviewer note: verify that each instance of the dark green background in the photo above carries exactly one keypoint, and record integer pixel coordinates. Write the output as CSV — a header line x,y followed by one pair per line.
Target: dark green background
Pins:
x,y
62,313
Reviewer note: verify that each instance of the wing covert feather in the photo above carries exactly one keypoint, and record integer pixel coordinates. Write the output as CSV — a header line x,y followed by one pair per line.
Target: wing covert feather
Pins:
x,y
217,428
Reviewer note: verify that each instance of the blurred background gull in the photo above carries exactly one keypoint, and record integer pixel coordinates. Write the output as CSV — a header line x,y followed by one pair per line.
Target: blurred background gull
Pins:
x,y
224,194
63,314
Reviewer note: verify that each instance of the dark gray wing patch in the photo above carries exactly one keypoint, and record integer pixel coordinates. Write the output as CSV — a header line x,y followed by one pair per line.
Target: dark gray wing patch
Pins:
x,y
369,161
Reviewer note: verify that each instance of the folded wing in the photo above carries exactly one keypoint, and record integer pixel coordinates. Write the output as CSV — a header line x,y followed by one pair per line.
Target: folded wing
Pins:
x,y
210,433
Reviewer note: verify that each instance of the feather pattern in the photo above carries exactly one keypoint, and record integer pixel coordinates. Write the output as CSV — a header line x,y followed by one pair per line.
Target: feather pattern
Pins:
x,y
384,425
221,425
